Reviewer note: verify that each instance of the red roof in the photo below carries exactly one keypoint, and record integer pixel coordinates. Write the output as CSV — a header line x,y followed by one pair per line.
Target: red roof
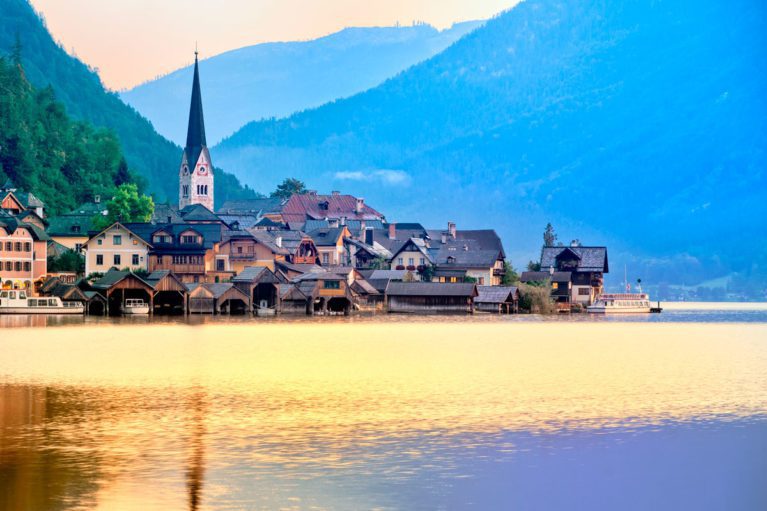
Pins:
x,y
299,208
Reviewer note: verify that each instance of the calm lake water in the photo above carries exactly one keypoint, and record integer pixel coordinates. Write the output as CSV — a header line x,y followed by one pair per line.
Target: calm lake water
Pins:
x,y
655,412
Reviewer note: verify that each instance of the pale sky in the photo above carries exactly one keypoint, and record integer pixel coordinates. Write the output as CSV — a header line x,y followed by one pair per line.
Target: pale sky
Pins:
x,y
131,41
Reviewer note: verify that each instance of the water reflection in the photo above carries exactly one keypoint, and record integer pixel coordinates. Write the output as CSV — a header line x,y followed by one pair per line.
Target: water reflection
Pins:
x,y
342,416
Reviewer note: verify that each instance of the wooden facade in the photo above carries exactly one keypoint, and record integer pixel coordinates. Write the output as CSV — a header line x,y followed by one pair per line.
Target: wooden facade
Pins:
x,y
430,297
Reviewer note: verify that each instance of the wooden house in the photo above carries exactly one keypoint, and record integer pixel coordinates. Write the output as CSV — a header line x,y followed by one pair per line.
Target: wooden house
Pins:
x,y
330,246
170,294
260,285
430,297
560,283
587,266
330,292
117,286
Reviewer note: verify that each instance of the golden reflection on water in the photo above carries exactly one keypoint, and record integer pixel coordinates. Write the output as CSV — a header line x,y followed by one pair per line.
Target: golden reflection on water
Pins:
x,y
188,414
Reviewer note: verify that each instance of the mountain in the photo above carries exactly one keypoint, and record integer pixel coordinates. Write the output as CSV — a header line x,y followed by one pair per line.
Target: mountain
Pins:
x,y
79,88
637,124
278,79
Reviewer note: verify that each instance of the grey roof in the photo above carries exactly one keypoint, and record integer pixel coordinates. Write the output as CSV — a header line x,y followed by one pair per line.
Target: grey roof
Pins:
x,y
326,237
70,225
356,225
259,206
211,234
250,274
312,224
166,214
589,258
431,289
419,244
219,288
376,251
198,213
11,223
319,275
114,276
386,274
243,221
460,258
540,276
364,287
495,294
299,268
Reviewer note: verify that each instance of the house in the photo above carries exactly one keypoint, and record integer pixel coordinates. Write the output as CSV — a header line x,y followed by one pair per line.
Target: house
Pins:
x,y
365,256
72,228
430,297
221,298
330,245
188,250
586,264
560,283
498,299
117,246
291,271
300,246
294,301
15,201
474,253
380,279
413,255
23,253
240,249
365,296
336,208
393,235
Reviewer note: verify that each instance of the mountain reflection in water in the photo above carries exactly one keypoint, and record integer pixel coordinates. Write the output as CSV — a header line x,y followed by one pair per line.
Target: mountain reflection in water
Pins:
x,y
389,415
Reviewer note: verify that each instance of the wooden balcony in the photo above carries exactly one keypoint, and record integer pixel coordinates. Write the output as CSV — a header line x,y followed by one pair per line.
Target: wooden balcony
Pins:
x,y
198,269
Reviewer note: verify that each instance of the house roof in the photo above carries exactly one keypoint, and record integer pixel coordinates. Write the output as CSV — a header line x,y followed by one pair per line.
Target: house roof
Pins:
x,y
301,207
385,274
420,246
459,258
70,225
11,223
590,258
166,214
377,251
131,230
364,287
115,276
495,294
326,237
431,289
540,276
475,239
259,206
298,268
198,213
291,292
252,274
211,234
319,275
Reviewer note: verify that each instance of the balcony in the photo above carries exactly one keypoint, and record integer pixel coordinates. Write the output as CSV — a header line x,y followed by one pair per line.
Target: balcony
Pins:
x,y
198,269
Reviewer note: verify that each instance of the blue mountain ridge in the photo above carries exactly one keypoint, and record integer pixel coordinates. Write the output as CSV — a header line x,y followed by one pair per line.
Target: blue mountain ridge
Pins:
x,y
636,124
277,79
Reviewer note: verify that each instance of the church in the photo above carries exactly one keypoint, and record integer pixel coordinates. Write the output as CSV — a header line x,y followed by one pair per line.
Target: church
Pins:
x,y
196,172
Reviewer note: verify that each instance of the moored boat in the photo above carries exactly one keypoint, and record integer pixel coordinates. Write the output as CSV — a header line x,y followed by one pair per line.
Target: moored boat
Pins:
x,y
135,306
626,303
17,302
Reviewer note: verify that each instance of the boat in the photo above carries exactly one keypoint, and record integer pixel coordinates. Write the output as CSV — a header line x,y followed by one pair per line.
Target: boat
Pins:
x,y
17,302
627,303
135,306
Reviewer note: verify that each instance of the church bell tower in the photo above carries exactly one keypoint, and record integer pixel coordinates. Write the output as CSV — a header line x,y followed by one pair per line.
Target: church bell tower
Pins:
x,y
196,172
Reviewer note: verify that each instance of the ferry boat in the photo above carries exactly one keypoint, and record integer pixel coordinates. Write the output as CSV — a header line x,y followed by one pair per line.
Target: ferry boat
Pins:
x,y
135,306
17,302
636,303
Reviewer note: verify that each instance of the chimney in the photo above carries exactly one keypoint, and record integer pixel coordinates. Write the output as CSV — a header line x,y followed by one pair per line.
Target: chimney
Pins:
x,y
392,231
360,205
343,219
97,199
278,241
335,193
444,238
362,225
451,229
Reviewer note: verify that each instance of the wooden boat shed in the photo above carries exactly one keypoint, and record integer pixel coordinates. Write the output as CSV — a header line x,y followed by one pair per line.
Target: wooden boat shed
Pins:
x,y
430,297
117,286
170,294
498,299
219,298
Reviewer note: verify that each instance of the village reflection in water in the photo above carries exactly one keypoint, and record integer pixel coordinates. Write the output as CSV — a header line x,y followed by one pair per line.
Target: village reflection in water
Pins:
x,y
390,415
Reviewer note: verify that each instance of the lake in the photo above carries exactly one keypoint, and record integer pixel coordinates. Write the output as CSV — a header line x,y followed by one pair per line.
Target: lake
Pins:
x,y
384,412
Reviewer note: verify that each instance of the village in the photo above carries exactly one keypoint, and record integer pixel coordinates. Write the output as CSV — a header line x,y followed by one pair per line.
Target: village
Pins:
x,y
308,253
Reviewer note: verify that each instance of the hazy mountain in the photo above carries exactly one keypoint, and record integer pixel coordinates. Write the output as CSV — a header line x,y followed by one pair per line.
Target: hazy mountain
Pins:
x,y
80,89
277,79
638,124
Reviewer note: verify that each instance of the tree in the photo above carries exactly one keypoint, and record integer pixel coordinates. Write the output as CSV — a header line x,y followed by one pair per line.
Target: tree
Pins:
x,y
510,275
289,187
427,274
123,174
379,263
127,205
549,236
533,266
67,261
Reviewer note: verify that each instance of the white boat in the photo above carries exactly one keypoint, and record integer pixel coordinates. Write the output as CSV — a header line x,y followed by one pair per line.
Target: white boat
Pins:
x,y
626,303
135,306
17,302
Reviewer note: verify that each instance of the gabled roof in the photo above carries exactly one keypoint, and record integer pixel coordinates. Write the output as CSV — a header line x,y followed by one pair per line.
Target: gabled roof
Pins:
x,y
592,259
70,225
298,268
154,279
377,251
363,287
113,277
319,275
496,294
327,237
419,244
123,226
198,213
431,289
166,214
301,207
475,239
256,274
291,292
460,258
211,234
11,224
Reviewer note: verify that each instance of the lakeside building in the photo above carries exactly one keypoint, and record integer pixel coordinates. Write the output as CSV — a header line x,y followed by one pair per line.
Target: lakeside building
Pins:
x,y
587,266
497,299
338,209
23,253
559,282
71,229
430,297
117,246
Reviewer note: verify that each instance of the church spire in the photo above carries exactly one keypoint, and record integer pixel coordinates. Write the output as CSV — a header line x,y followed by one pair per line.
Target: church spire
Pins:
x,y
195,134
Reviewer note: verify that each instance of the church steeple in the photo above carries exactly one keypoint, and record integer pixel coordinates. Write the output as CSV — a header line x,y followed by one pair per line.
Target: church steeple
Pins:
x,y
196,175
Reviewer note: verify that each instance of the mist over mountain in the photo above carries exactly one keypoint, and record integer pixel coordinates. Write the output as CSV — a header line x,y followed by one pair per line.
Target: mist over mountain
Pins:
x,y
80,90
277,79
636,124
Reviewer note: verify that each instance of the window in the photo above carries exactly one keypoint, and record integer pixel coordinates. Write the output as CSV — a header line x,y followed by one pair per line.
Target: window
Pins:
x,y
220,265
27,266
27,247
99,259
400,261
135,242
584,291
117,239
185,189
481,281
239,250
423,261
332,284
8,266
17,266
410,261
99,241
134,260
555,285
17,246
78,247
325,258
8,246
75,228
189,239
117,260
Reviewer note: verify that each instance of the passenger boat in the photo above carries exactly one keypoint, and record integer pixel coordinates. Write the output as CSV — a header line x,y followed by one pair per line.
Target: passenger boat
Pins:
x,y
636,303
135,306
17,302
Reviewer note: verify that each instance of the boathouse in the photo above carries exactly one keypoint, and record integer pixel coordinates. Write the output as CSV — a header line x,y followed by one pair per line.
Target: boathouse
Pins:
x,y
498,299
259,284
430,297
117,286
221,298
170,294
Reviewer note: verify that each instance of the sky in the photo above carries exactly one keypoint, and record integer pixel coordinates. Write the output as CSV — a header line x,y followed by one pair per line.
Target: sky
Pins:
x,y
133,41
